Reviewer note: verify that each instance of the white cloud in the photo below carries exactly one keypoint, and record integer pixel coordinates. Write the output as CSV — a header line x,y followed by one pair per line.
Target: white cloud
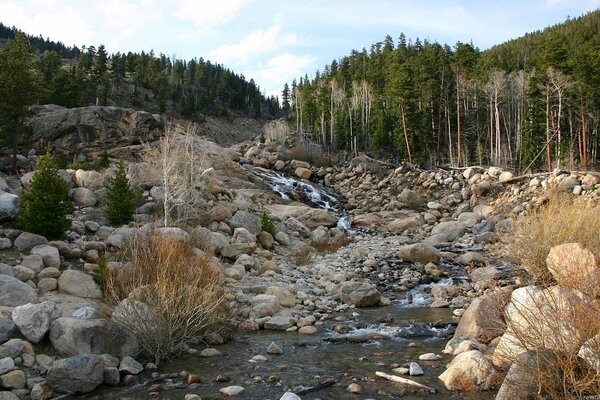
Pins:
x,y
206,15
281,69
256,43
59,23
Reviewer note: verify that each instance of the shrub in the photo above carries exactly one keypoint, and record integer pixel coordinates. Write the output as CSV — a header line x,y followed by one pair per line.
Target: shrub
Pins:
x,y
44,206
311,153
76,164
559,221
100,273
262,138
103,162
266,224
167,296
119,201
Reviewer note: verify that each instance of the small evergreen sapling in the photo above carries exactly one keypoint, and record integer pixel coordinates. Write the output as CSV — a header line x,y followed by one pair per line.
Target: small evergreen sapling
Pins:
x,y
267,225
120,198
44,206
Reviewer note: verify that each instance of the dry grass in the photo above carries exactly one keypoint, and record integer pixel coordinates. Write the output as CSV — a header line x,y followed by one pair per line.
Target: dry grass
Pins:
x,y
167,296
334,244
560,220
311,153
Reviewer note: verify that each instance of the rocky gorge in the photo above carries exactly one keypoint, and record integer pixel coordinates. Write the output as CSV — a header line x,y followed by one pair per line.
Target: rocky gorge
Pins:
x,y
412,285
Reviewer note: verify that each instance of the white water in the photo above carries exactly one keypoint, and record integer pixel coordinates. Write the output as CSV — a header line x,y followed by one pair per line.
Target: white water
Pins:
x,y
420,297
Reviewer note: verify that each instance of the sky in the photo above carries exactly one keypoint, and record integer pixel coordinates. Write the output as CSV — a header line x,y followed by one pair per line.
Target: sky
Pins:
x,y
275,41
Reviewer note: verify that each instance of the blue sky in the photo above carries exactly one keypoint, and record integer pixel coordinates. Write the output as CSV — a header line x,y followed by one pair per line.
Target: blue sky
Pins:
x,y
275,41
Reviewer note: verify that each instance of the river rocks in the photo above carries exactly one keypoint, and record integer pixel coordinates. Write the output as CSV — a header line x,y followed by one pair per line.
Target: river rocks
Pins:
x,y
519,383
359,294
574,267
450,230
419,252
308,330
247,220
210,352
400,225
7,329
15,293
354,388
469,372
290,396
471,258
78,374
231,391
9,206
129,365
13,380
84,197
27,241
415,369
274,349
284,296
505,176
279,323
92,180
265,305
50,255
34,320
72,336
6,365
483,320
303,173
79,284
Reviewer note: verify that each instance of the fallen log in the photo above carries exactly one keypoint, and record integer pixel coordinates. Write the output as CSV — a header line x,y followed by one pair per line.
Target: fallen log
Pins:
x,y
399,379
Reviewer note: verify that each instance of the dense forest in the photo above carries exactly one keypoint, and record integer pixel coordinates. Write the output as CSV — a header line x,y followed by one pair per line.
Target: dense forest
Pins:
x,y
74,77
530,103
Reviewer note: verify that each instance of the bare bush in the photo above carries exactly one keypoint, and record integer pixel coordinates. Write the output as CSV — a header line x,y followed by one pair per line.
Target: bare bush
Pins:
x,y
334,244
167,295
310,153
560,220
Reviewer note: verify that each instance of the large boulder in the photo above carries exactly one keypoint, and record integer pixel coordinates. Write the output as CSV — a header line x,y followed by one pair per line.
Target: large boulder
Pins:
x,y
483,320
27,241
359,294
312,218
34,320
574,267
50,255
419,252
411,220
542,319
15,293
79,284
450,230
9,206
92,180
78,374
469,372
7,329
284,296
84,197
303,173
72,336
247,220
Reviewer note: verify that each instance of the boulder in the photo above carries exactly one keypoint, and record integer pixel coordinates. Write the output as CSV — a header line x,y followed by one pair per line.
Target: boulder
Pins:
x,y
279,323
247,220
303,173
73,336
568,184
574,267
9,206
50,255
312,218
34,320
359,294
400,225
15,293
173,233
284,296
79,284
6,365
519,383
92,180
84,197
505,176
7,329
483,319
589,353
13,380
450,230
419,252
27,241
34,263
130,366
469,372
78,374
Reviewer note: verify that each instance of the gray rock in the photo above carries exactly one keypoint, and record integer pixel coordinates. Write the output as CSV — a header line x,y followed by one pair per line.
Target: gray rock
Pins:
x,y
415,369
7,329
6,269
13,348
112,376
451,230
130,366
274,349
13,380
568,184
15,293
23,274
5,243
34,320
79,284
247,220
210,352
91,180
8,396
359,294
9,206
419,252
49,254
79,374
6,365
232,390
27,241
84,197
279,323
33,262
470,371
72,336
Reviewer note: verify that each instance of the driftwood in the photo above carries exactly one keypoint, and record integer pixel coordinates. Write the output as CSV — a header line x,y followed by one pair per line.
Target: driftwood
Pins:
x,y
399,379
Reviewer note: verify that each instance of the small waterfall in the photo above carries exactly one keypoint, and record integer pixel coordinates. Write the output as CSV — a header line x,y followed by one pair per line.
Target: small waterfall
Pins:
x,y
313,195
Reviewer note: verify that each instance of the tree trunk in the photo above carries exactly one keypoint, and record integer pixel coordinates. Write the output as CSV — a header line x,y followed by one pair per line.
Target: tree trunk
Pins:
x,y
458,134
548,147
406,135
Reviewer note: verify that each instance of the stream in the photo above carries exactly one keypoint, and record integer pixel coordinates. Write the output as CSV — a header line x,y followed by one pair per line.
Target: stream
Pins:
x,y
350,346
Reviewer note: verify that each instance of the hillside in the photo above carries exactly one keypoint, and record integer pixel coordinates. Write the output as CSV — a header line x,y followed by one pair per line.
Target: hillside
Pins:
x,y
74,77
530,103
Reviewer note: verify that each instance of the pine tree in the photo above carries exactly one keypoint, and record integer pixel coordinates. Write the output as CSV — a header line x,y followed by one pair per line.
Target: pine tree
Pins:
x,y
44,206
120,197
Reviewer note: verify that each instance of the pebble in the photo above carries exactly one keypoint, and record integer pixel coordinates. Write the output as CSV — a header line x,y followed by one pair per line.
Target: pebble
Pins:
x,y
258,358
210,352
222,378
428,357
354,388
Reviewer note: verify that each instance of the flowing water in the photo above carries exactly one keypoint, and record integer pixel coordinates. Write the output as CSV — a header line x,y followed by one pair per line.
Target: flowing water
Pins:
x,y
349,347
